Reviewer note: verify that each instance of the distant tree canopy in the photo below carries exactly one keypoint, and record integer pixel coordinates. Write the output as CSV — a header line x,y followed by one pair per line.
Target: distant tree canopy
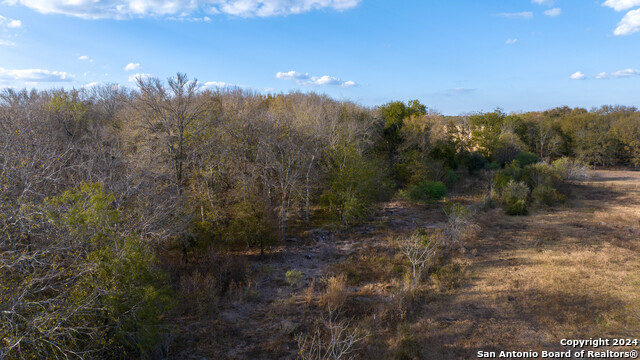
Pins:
x,y
93,182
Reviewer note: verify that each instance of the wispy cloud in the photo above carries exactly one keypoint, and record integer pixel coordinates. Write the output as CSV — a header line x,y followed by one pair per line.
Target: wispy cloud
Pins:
x,y
629,24
132,67
543,2
33,75
126,9
620,5
517,15
626,73
306,80
9,23
141,76
225,85
6,43
511,41
553,12
84,58
220,85
462,90
577,76
204,19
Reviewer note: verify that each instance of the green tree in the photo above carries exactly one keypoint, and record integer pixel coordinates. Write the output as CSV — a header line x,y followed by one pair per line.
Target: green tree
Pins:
x,y
627,131
86,290
394,115
355,181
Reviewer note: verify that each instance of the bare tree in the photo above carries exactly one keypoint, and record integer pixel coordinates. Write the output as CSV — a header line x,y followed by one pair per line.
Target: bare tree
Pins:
x,y
420,251
459,226
333,340
170,116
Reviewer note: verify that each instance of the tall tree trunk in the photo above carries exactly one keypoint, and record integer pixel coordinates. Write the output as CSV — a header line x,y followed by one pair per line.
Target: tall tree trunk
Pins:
x,y
308,191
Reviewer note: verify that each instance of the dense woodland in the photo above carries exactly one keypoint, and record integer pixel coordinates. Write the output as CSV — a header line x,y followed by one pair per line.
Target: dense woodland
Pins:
x,y
99,186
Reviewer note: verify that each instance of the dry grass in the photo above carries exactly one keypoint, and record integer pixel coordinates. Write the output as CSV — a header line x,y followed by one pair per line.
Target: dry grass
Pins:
x,y
336,293
618,216
524,283
309,294
538,279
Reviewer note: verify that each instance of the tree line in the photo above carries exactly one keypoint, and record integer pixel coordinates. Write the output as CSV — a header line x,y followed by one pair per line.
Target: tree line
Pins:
x,y
95,182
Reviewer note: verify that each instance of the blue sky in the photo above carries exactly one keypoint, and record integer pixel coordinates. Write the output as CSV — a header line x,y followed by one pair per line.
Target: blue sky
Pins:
x,y
454,56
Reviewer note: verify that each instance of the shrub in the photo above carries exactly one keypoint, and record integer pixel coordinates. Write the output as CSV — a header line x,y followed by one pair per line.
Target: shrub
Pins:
x,y
500,179
451,177
459,226
526,158
516,208
541,174
493,166
509,173
546,195
488,203
514,195
571,169
427,191
515,191
475,163
293,277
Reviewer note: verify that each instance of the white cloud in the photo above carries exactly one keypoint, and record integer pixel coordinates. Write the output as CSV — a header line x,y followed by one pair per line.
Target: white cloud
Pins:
x,y
135,77
577,76
205,19
33,75
126,9
219,84
9,23
6,43
91,84
619,5
518,15
291,75
543,2
626,73
511,41
306,80
83,57
132,66
325,80
629,24
553,12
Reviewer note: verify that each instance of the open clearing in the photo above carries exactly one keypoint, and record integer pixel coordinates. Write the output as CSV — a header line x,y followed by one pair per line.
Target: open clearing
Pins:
x,y
523,283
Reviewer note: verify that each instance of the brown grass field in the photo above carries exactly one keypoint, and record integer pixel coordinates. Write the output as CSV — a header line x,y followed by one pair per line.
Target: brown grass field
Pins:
x,y
519,284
